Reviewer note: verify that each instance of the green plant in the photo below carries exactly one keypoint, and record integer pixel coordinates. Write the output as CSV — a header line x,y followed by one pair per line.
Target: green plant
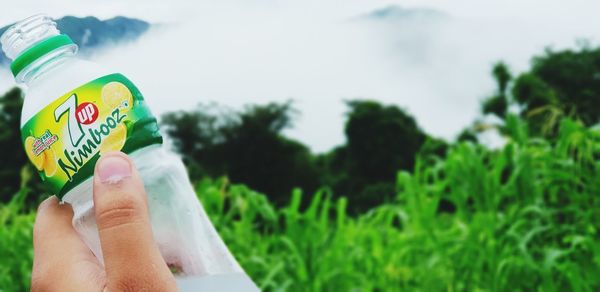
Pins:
x,y
16,253
524,218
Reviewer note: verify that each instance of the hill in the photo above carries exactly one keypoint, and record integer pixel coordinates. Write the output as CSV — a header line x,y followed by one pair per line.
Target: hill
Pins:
x,y
91,33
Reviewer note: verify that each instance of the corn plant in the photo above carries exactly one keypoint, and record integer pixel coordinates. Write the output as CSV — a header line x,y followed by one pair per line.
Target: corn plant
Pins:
x,y
523,218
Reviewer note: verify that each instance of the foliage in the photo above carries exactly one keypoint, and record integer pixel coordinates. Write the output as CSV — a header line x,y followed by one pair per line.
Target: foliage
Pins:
x,y
246,146
10,144
16,239
249,148
525,218
381,139
498,104
559,84
573,77
10,118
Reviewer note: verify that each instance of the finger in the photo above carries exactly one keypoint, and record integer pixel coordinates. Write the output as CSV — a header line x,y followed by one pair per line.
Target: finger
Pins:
x,y
131,257
61,259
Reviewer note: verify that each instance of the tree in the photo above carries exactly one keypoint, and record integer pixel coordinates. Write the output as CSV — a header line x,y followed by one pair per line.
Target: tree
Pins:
x,y
249,148
563,83
257,154
568,78
14,161
246,146
468,135
381,140
14,157
498,103
194,135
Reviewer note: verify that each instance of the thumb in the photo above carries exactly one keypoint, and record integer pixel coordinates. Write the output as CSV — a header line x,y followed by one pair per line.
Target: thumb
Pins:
x,y
131,257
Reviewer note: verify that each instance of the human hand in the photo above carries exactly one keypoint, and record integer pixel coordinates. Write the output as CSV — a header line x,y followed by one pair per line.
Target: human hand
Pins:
x,y
62,262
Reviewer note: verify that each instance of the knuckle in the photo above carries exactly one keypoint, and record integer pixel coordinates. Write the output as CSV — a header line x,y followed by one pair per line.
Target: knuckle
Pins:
x,y
123,210
134,282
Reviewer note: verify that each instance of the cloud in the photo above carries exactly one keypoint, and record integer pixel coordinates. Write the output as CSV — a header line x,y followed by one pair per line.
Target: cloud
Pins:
x,y
256,59
237,52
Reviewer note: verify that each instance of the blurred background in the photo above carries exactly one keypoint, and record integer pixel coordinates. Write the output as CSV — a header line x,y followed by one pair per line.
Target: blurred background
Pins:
x,y
357,145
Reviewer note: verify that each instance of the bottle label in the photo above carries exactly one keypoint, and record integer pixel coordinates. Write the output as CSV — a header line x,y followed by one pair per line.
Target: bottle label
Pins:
x,y
65,139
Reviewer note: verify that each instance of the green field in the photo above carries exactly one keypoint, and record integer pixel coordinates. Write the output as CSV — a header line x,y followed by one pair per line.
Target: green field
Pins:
x,y
526,218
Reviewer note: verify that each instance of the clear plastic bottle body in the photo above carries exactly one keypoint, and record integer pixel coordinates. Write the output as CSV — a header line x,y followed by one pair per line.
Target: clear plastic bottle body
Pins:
x,y
182,230
186,237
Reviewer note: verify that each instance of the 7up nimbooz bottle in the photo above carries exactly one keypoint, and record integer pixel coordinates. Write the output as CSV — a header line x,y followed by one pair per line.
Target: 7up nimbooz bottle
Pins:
x,y
73,112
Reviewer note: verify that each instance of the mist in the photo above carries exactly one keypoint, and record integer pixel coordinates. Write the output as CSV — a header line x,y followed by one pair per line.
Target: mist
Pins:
x,y
322,53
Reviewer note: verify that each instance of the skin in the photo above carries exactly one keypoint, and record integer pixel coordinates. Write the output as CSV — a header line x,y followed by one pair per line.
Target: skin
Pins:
x,y
62,262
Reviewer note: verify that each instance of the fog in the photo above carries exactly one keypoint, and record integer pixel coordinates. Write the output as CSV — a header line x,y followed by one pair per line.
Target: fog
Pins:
x,y
321,53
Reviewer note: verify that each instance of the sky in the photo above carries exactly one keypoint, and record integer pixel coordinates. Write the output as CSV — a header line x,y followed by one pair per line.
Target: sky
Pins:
x,y
318,53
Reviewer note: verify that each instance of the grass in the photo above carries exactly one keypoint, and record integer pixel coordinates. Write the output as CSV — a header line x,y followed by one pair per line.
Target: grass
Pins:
x,y
525,218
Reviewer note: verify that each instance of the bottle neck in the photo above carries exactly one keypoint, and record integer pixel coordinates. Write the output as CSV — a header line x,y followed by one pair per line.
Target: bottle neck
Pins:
x,y
46,63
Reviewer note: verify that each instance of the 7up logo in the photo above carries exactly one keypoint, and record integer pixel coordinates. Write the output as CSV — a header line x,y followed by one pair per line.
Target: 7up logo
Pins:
x,y
86,113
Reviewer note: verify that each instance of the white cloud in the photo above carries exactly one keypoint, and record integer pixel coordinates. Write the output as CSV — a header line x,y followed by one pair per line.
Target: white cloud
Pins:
x,y
238,52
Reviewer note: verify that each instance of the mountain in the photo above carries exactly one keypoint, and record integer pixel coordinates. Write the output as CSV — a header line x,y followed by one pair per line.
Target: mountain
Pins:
x,y
91,33
410,32
398,13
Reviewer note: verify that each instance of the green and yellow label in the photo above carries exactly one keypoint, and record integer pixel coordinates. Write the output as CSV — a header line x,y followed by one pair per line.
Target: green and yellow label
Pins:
x,y
66,138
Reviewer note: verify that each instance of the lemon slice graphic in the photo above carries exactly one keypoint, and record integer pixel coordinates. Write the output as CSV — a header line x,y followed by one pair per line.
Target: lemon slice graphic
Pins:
x,y
115,140
116,94
38,161
50,165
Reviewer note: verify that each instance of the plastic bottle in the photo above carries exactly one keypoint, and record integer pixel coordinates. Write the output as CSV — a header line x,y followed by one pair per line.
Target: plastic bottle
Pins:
x,y
70,102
